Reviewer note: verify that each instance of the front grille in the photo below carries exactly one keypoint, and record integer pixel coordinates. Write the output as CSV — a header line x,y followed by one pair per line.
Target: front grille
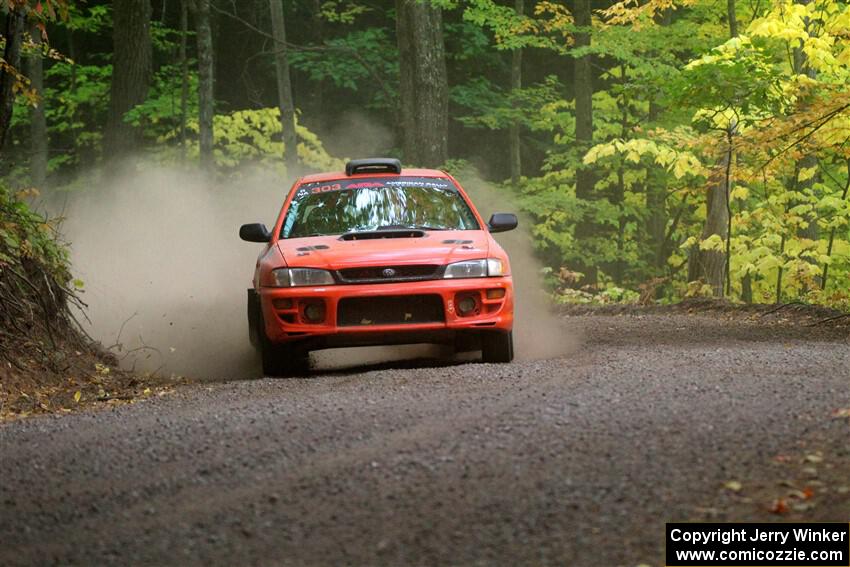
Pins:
x,y
389,310
389,274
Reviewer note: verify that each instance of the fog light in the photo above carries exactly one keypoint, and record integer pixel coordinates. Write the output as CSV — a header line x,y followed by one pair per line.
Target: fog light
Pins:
x,y
314,312
282,303
466,305
497,293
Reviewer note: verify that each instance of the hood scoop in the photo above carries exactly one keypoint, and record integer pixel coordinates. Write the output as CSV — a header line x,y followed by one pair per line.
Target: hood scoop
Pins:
x,y
378,234
311,248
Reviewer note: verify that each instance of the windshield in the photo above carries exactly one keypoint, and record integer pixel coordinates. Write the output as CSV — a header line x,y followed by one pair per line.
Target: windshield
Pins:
x,y
381,203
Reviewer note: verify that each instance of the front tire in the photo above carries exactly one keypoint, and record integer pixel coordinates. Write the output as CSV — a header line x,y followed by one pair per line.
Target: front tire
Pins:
x,y
279,360
283,361
497,347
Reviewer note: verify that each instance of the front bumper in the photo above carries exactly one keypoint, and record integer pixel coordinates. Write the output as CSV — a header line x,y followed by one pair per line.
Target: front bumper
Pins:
x,y
285,319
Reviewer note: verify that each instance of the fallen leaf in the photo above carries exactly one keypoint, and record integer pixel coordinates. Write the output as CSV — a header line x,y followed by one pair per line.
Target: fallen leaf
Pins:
x,y
733,485
813,458
147,391
801,494
77,396
779,507
841,413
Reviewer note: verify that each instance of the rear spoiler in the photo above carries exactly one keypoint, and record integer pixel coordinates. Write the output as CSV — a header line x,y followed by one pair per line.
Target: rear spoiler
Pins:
x,y
373,165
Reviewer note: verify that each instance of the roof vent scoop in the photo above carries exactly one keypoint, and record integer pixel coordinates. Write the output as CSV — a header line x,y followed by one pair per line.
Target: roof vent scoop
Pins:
x,y
373,165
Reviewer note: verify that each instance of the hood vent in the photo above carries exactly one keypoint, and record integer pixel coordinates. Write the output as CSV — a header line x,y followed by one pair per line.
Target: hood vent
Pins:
x,y
376,234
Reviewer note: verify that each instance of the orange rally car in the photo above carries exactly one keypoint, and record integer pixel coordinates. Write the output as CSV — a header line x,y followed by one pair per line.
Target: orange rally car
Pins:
x,y
379,255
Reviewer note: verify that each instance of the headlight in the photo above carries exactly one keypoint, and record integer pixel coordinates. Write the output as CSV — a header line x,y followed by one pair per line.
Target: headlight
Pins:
x,y
292,277
475,269
495,267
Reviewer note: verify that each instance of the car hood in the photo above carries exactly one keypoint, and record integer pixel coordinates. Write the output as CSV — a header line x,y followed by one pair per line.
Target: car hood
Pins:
x,y
436,247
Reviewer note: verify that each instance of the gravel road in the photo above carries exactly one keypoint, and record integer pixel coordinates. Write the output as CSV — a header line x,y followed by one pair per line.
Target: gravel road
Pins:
x,y
574,461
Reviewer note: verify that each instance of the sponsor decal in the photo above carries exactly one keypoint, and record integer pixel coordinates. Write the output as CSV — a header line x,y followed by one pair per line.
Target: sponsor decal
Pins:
x,y
393,183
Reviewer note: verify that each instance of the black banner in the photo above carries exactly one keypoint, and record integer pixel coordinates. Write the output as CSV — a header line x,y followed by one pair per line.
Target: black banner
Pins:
x,y
758,545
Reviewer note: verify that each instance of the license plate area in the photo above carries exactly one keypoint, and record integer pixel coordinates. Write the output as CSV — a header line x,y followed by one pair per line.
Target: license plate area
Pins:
x,y
390,310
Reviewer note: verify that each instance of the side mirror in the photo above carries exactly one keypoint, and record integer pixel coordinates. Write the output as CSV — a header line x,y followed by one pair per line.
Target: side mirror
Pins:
x,y
254,232
502,222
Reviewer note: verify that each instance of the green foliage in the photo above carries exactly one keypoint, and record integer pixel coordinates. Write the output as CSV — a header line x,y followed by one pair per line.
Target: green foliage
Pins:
x,y
492,107
467,42
28,241
75,106
363,60
89,19
252,137
673,95
739,76
609,295
161,113
342,11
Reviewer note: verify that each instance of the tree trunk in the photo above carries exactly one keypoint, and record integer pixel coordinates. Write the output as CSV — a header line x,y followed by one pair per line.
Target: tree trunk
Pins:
x,y
831,242
184,72
131,73
284,86
618,195
13,34
206,82
583,79
656,210
712,266
38,121
709,266
424,83
732,17
656,190
317,91
810,231
407,88
747,288
516,84
585,178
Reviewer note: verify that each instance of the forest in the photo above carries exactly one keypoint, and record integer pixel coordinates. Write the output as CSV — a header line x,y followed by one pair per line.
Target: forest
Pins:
x,y
662,149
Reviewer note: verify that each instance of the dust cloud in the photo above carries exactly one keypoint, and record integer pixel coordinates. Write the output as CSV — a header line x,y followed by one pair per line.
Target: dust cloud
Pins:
x,y
164,270
538,331
165,273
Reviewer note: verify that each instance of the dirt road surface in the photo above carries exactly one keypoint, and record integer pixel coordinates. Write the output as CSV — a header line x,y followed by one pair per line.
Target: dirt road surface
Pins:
x,y
574,461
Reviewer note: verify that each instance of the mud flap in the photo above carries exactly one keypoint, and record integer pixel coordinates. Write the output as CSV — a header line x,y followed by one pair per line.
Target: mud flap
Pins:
x,y
255,319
